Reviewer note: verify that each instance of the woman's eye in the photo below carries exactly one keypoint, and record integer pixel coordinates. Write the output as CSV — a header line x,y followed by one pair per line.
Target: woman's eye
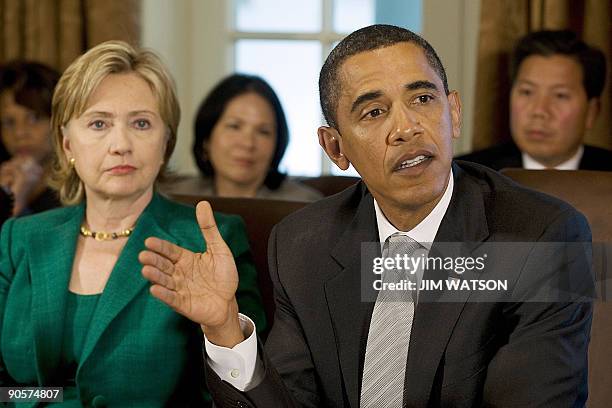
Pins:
x,y
7,123
562,96
142,124
97,125
33,118
524,92
265,132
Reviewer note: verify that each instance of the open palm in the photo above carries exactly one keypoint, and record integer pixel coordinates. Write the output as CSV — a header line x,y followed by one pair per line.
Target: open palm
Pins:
x,y
200,286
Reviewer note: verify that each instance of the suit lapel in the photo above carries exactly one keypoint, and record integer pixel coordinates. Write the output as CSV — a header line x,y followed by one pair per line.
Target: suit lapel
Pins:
x,y
464,222
125,281
50,277
348,313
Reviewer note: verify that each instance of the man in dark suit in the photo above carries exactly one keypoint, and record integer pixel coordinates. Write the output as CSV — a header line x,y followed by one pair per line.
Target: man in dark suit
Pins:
x,y
335,341
557,81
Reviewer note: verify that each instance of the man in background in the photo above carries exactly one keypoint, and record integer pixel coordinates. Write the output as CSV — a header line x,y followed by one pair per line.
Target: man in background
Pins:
x,y
557,81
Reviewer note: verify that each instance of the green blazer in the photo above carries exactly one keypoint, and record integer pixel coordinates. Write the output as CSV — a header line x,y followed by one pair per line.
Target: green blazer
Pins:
x,y
138,351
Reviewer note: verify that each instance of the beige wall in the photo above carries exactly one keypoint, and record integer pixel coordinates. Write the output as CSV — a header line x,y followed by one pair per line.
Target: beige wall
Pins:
x,y
190,35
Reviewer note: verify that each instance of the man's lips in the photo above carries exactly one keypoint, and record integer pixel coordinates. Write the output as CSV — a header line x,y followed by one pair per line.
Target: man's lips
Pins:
x,y
412,159
538,134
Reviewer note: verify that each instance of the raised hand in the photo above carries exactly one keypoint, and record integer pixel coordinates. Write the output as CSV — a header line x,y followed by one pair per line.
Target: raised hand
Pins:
x,y
22,175
200,286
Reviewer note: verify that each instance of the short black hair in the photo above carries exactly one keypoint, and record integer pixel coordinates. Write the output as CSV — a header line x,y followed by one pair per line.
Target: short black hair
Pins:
x,y
32,85
213,106
367,39
547,43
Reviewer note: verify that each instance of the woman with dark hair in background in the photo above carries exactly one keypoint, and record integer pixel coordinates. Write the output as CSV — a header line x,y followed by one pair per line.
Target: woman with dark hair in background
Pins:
x,y
241,136
26,89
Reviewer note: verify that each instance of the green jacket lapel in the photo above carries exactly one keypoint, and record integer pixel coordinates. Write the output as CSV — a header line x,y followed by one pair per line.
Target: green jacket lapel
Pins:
x,y
125,281
50,277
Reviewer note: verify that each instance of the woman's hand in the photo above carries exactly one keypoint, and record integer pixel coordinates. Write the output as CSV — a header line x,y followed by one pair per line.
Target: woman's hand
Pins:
x,y
200,286
21,175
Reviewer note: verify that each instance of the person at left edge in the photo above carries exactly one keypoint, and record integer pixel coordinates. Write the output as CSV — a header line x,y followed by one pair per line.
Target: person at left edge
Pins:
x,y
26,89
75,310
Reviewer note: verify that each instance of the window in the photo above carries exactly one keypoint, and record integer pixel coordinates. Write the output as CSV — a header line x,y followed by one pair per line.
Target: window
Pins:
x,y
285,42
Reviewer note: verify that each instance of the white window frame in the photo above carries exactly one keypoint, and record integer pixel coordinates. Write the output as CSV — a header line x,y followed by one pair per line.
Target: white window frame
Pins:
x,y
195,38
326,37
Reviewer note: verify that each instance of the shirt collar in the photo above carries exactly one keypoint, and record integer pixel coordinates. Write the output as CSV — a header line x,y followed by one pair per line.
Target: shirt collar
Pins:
x,y
530,163
424,232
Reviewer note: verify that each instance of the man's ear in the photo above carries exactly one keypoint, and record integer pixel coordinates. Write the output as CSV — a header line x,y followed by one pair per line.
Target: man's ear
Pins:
x,y
454,102
593,108
331,141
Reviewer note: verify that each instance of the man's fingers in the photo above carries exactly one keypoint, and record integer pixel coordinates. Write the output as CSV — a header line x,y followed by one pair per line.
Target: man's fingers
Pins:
x,y
157,277
158,261
167,249
167,296
208,226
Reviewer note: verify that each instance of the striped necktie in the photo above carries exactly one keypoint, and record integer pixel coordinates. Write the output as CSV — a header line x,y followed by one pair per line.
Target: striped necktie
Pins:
x,y
389,334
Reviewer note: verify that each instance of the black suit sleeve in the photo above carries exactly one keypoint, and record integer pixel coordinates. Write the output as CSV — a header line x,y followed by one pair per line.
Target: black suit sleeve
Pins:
x,y
289,379
544,363
6,205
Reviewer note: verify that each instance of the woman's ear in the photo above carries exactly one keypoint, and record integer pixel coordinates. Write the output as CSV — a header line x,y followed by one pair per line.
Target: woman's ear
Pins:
x,y
331,141
66,142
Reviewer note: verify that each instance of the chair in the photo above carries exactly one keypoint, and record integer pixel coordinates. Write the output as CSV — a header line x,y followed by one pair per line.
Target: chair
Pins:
x,y
259,215
590,192
329,185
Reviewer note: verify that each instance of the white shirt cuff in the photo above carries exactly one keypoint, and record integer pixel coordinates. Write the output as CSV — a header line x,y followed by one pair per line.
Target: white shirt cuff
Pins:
x,y
237,365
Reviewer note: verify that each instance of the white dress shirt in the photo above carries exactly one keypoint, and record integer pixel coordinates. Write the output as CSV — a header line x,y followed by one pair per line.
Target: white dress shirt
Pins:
x,y
530,163
241,367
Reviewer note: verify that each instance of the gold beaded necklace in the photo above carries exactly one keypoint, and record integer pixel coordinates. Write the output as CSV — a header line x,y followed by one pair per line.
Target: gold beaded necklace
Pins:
x,y
105,236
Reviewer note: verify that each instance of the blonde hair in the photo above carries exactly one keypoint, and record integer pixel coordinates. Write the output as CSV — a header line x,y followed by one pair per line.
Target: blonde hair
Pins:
x,y
79,82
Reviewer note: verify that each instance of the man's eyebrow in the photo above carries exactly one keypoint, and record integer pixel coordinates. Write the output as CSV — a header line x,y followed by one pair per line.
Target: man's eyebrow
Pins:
x,y
368,96
413,86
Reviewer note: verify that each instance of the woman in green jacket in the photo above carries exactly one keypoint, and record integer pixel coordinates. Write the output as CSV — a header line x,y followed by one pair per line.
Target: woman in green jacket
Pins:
x,y
75,311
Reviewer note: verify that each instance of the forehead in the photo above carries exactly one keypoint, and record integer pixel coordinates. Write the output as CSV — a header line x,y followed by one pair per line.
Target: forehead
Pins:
x,y
251,105
385,69
550,70
248,99
123,90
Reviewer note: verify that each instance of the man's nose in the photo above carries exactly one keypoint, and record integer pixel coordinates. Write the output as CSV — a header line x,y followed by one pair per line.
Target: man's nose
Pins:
x,y
541,106
405,126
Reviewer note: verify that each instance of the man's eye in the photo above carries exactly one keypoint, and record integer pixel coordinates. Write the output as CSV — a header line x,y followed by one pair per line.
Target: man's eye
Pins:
x,y
374,113
142,124
423,99
562,96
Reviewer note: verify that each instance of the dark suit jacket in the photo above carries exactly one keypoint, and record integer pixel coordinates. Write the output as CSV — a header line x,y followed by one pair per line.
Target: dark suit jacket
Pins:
x,y
509,155
461,354
6,206
138,351
47,200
